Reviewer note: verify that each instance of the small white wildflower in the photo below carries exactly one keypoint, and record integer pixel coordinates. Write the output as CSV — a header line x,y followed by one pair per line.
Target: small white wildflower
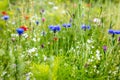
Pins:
x,y
28,78
96,20
4,72
63,12
14,35
98,55
78,47
55,8
45,57
52,58
89,41
38,39
32,50
34,39
92,47
36,54
78,42
86,71
92,57
98,72
22,56
97,52
29,73
13,22
90,60
25,35
95,66
50,3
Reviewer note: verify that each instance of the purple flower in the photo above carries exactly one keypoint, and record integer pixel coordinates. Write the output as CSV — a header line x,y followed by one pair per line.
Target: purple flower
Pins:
x,y
5,17
104,48
20,31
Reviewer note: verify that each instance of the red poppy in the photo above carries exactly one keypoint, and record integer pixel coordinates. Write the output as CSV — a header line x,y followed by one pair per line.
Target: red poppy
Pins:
x,y
24,28
4,13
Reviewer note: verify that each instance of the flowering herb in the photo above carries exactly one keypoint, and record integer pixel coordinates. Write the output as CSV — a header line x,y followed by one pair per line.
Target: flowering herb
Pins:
x,y
20,31
5,17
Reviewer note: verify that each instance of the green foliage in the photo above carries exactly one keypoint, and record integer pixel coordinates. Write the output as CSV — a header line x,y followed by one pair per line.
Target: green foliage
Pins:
x,y
70,54
3,5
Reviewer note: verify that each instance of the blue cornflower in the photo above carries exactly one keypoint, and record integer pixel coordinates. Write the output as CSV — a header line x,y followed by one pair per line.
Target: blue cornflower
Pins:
x,y
20,31
66,25
54,28
111,31
51,27
5,17
88,27
37,22
117,32
84,27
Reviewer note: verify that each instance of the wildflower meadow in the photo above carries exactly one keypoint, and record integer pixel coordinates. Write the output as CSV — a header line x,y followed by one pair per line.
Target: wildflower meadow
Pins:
x,y
59,40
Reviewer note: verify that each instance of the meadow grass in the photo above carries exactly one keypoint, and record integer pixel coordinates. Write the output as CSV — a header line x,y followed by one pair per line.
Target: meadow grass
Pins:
x,y
77,52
